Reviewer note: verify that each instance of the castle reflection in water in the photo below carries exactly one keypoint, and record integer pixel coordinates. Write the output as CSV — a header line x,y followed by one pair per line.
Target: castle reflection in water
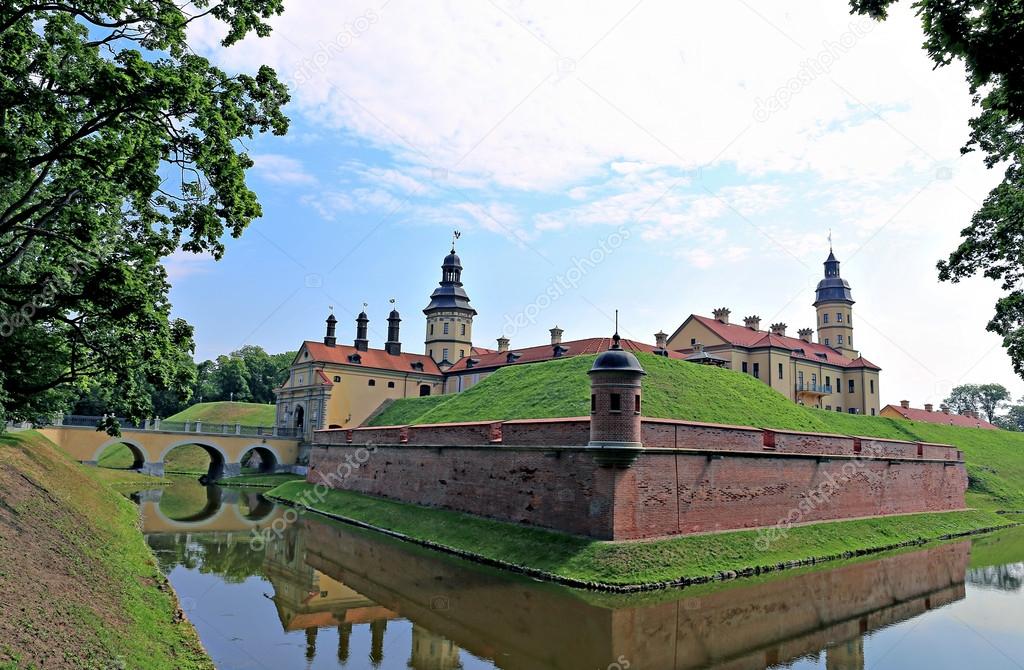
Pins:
x,y
327,576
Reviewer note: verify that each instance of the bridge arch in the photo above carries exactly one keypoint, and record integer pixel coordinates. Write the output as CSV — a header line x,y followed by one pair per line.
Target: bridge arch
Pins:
x,y
270,459
218,457
137,450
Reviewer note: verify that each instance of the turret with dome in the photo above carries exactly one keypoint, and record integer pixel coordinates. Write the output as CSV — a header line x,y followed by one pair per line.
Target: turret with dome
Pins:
x,y
449,336
834,304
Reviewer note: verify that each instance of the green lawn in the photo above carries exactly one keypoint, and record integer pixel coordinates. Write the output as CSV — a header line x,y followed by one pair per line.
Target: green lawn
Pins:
x,y
678,390
83,590
633,563
244,413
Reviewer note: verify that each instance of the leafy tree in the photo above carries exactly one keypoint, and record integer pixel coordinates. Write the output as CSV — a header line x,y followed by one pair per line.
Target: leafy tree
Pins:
x,y
232,379
262,372
118,145
964,398
986,36
1014,417
991,398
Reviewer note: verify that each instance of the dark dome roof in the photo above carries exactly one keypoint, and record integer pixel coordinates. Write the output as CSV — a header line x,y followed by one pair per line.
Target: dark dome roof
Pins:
x,y
451,260
331,319
362,317
393,314
616,360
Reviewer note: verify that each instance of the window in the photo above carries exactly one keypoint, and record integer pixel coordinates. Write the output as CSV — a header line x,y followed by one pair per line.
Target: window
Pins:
x,y
872,411
445,331
424,390
839,339
462,329
444,354
391,385
800,377
636,404
828,408
757,370
430,352
826,342
814,378
850,340
431,329
743,366
780,371
824,318
337,378
462,353
838,408
614,402
871,383
850,385
593,403
849,318
693,341
372,382
839,317
852,410
828,381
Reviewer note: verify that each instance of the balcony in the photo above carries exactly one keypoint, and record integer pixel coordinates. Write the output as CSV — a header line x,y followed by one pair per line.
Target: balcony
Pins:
x,y
813,389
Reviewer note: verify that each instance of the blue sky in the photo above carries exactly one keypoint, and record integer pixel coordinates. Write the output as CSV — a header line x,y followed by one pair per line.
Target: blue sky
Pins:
x,y
658,158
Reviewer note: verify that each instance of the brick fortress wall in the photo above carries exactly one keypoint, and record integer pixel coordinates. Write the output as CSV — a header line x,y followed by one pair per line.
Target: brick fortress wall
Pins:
x,y
689,478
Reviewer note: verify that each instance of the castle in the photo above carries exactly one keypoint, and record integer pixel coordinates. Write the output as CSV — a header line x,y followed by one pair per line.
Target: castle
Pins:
x,y
334,385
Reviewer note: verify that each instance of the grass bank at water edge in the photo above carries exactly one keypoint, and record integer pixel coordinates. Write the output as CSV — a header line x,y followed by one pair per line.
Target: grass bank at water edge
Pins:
x,y
627,566
79,587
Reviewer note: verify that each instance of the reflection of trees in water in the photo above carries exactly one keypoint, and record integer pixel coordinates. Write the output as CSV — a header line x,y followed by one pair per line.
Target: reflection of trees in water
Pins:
x,y
226,554
1008,577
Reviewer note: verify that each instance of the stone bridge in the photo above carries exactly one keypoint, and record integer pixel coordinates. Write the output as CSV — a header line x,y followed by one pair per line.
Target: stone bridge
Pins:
x,y
151,444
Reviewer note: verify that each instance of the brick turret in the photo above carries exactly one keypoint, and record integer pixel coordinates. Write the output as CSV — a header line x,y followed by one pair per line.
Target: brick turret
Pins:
x,y
615,399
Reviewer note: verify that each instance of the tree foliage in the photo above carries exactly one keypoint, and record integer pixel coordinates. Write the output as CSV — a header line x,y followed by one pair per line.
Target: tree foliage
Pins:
x,y
987,399
987,36
118,146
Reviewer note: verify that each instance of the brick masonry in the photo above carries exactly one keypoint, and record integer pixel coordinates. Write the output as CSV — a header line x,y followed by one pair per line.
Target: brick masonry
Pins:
x,y
691,477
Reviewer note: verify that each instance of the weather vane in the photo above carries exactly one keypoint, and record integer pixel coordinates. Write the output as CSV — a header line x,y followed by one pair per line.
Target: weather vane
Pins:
x,y
455,235
830,239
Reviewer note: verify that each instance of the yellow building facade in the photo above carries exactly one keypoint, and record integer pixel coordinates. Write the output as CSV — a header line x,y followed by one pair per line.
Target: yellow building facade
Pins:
x,y
827,373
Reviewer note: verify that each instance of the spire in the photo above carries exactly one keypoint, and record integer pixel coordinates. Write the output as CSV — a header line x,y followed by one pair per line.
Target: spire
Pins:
x,y
832,287
362,343
449,293
615,337
393,346
329,339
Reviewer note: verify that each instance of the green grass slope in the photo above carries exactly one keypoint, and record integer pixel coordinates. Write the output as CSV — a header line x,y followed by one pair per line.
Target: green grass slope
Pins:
x,y
677,390
79,587
245,413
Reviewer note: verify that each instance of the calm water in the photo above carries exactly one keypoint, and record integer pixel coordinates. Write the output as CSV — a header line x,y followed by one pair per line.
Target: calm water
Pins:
x,y
324,595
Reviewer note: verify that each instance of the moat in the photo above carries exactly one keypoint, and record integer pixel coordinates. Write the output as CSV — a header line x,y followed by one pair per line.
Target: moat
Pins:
x,y
316,594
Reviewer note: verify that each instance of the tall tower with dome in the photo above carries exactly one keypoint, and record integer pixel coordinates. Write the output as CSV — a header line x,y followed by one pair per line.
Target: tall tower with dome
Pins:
x,y
834,304
449,336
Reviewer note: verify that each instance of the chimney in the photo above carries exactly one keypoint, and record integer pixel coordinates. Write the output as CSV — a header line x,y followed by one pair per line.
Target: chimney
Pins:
x,y
779,329
805,334
944,409
556,335
393,346
502,343
928,407
722,314
329,339
905,404
361,342
752,322
661,340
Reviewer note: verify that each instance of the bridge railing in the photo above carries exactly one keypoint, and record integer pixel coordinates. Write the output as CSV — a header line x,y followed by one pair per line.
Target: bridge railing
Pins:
x,y
200,427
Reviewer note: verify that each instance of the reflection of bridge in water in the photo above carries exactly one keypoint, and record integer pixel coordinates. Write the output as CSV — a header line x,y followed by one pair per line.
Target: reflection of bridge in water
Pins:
x,y
225,511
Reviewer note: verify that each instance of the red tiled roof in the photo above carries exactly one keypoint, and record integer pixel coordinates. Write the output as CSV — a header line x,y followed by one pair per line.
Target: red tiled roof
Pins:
x,y
915,414
741,336
545,352
326,380
482,350
371,358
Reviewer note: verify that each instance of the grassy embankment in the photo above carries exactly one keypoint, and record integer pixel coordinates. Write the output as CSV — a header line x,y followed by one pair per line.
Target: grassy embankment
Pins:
x,y
684,391
79,587
189,458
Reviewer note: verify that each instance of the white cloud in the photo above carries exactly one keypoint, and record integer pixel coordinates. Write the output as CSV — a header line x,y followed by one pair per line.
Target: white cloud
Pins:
x,y
281,169
181,264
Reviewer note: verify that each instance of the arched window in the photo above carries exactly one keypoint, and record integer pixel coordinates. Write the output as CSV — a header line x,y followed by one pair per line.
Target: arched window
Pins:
x,y
372,382
424,390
